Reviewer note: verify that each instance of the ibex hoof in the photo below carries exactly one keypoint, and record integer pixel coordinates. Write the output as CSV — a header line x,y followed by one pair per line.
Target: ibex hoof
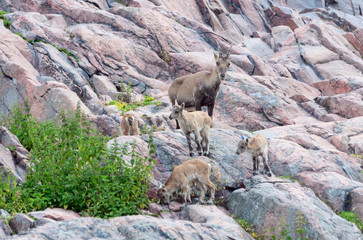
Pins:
x,y
206,154
255,173
210,202
200,153
269,174
191,154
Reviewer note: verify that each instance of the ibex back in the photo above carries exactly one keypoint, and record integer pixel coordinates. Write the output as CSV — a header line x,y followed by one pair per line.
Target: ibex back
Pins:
x,y
201,88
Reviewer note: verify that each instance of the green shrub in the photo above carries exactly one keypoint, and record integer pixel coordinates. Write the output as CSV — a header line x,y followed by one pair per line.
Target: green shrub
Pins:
x,y
352,217
72,168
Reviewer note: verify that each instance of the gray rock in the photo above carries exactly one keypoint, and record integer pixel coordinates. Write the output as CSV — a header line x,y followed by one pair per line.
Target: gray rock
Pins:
x,y
270,203
21,223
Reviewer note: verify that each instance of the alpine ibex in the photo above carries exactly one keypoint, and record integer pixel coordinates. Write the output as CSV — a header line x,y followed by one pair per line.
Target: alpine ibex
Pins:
x,y
129,125
197,122
201,88
258,146
193,170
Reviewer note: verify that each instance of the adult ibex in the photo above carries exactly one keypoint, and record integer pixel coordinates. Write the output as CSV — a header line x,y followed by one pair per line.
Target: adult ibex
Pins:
x,y
201,88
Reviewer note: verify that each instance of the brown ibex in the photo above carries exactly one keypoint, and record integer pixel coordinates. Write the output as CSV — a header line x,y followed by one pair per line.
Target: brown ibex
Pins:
x,y
191,171
201,88
129,125
197,122
258,146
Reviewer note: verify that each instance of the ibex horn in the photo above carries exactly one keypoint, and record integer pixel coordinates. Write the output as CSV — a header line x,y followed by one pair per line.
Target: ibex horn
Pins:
x,y
219,50
229,50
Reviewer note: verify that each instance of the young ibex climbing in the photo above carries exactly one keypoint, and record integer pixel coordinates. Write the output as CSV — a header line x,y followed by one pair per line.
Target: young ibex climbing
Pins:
x,y
258,146
193,170
197,123
129,125
201,88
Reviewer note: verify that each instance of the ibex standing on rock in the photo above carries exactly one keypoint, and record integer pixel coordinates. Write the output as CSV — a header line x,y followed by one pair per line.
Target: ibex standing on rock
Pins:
x,y
198,123
201,88
129,125
258,146
192,171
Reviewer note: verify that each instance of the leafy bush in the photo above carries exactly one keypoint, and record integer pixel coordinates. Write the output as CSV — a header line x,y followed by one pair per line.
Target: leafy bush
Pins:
x,y
352,217
72,168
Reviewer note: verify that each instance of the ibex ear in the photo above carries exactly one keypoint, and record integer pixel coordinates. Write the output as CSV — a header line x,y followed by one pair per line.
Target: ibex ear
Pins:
x,y
176,102
183,105
215,56
247,140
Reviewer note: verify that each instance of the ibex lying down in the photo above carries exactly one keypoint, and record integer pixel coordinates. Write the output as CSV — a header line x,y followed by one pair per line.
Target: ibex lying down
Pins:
x,y
258,146
201,88
129,125
193,122
193,170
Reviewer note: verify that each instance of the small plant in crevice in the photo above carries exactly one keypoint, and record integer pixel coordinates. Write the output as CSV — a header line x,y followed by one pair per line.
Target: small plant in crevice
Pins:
x,y
67,52
7,23
124,103
165,56
249,228
280,232
119,2
288,177
72,168
352,217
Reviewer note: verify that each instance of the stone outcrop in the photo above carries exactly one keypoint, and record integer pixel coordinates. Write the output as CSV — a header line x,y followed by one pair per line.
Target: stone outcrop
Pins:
x,y
295,76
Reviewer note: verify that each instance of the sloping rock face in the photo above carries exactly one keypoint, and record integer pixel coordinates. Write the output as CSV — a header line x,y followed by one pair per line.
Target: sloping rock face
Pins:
x,y
295,76
274,195
199,222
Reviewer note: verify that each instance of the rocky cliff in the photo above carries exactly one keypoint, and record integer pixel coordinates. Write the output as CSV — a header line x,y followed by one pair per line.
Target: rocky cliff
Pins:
x,y
295,76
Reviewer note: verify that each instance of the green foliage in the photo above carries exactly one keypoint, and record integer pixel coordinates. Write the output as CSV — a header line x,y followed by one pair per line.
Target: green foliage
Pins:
x,y
165,56
119,2
7,23
288,177
66,51
21,35
72,168
10,194
282,229
352,217
125,107
250,229
356,155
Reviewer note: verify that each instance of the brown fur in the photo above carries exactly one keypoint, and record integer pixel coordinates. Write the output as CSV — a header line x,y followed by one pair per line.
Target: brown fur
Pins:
x,y
129,125
201,88
258,146
183,175
197,123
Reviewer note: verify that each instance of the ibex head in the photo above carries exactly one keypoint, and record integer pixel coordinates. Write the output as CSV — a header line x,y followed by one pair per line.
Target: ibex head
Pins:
x,y
222,62
163,194
176,110
242,146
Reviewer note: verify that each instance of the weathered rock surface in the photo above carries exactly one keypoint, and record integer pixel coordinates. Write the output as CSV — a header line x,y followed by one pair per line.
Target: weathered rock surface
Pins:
x,y
20,223
295,76
275,195
13,156
206,222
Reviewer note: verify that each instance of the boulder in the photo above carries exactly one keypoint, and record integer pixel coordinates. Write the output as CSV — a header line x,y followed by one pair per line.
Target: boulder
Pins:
x,y
290,207
20,223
